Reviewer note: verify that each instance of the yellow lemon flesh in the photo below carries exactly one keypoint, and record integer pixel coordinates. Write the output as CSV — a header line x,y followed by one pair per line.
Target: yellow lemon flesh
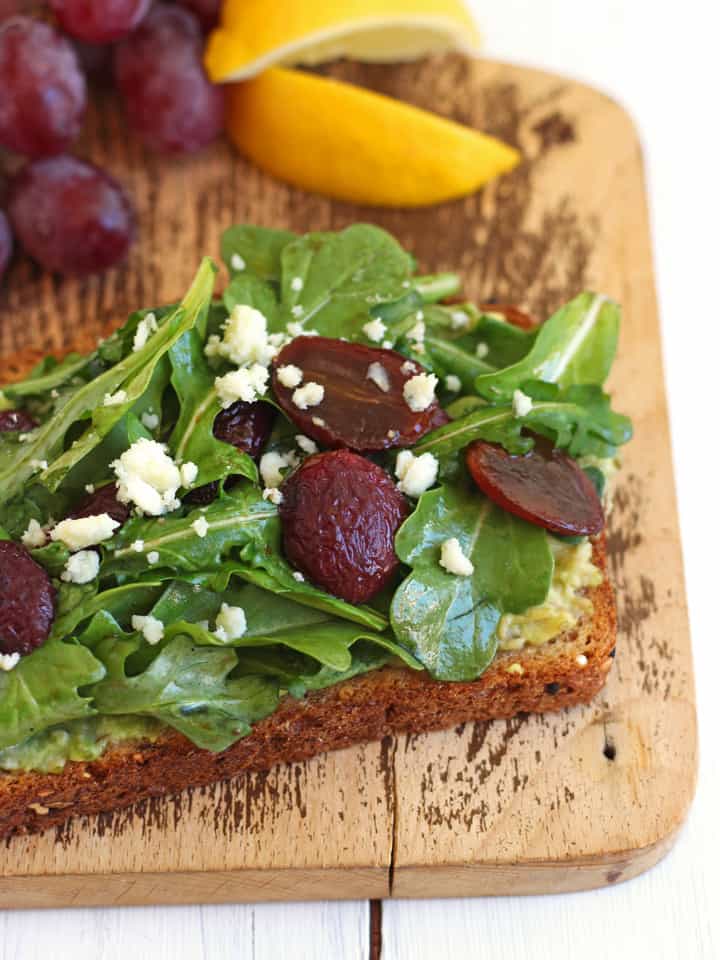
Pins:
x,y
349,143
257,34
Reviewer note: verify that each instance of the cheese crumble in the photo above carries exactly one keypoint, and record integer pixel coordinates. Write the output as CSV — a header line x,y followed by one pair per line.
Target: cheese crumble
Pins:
x,y
82,567
521,404
85,531
148,477
230,623
374,330
308,396
454,560
245,338
245,384
419,391
8,661
290,376
379,376
34,536
416,474
150,627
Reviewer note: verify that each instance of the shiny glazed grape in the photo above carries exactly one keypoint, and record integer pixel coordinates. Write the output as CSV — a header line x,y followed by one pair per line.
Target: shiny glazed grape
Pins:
x,y
42,89
5,244
16,420
99,21
102,500
70,216
544,487
355,412
340,513
169,100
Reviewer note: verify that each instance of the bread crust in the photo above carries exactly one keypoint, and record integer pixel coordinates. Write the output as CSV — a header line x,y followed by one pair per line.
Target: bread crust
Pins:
x,y
566,671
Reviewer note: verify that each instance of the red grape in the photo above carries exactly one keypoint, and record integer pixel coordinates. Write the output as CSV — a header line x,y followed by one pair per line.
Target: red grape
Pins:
x,y
5,243
169,100
70,216
207,11
99,21
43,89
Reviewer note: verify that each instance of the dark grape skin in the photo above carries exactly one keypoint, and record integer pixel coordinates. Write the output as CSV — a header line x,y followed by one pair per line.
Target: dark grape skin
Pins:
x,y
170,102
70,216
99,21
27,601
207,11
43,89
6,244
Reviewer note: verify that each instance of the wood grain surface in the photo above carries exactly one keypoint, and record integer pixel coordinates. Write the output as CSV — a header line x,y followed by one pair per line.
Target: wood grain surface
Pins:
x,y
561,802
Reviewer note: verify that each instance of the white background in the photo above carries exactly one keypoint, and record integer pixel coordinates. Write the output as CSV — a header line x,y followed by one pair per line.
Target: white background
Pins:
x,y
661,61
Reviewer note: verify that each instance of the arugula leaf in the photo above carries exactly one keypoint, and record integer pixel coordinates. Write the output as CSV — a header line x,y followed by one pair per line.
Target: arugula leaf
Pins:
x,y
43,690
77,603
579,420
250,290
188,687
48,375
133,374
340,275
449,621
575,346
259,248
193,438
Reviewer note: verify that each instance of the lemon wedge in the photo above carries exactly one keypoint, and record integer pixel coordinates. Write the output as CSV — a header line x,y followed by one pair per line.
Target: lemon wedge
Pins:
x,y
257,34
352,144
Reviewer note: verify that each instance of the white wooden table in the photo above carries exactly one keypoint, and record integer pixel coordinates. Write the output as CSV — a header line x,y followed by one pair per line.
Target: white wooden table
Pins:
x,y
661,61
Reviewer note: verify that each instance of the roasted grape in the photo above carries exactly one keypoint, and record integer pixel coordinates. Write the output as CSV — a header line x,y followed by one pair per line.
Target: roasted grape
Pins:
x,y
16,421
43,96
70,216
545,486
5,243
363,405
102,500
340,513
27,601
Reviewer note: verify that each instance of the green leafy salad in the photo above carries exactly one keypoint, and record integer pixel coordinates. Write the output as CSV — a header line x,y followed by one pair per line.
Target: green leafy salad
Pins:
x,y
335,466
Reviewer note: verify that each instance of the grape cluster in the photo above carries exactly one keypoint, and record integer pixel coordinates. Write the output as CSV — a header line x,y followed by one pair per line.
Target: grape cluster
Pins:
x,y
67,214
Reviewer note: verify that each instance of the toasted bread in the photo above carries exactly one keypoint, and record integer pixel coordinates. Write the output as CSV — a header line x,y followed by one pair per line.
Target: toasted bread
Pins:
x,y
565,671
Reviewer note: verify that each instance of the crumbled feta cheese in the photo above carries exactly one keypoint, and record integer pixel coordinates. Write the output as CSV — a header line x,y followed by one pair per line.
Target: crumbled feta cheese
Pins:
x,y
581,660
419,391
409,367
147,326
153,557
379,376
244,384
201,526
482,350
416,474
419,315
290,376
278,340
89,488
297,284
148,477
454,560
306,444
38,464
150,627
232,621
271,465
22,437
273,495
298,576
453,383
308,396
82,567
521,404
8,661
138,546
319,422
150,421
115,399
459,320
54,394
34,536
85,531
245,338
188,473
237,262
296,311
387,345
374,330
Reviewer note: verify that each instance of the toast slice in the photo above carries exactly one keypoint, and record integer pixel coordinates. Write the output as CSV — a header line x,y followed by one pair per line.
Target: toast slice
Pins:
x,y
568,670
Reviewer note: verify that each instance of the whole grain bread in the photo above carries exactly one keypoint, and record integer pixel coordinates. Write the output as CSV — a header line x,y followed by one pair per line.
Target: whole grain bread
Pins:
x,y
568,670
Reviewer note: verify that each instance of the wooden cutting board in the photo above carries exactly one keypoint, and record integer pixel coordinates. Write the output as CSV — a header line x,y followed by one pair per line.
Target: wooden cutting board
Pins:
x,y
561,802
